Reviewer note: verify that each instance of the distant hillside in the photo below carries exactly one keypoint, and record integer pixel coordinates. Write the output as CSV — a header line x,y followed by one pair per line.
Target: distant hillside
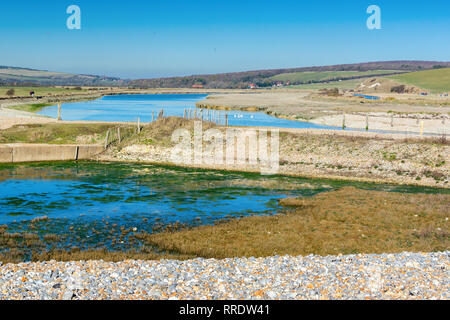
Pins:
x,y
295,78
13,76
436,81
265,78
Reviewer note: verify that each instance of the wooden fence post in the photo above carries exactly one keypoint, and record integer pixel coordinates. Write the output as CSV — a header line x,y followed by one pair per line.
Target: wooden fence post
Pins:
x,y
107,138
118,134
343,121
59,111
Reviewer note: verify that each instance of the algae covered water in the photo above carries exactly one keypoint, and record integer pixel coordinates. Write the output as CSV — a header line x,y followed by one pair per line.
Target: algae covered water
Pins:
x,y
98,205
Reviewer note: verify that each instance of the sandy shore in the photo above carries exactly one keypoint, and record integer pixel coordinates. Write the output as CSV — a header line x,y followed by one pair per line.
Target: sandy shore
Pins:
x,y
401,114
386,122
10,117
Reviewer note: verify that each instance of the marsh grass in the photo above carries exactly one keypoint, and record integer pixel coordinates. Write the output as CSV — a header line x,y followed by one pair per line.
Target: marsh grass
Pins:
x,y
32,245
347,221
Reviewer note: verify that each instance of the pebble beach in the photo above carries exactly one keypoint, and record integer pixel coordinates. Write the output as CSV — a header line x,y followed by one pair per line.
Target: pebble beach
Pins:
x,y
385,276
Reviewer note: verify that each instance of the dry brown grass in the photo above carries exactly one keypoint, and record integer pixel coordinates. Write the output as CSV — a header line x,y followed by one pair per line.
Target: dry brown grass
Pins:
x,y
345,221
56,133
160,132
440,140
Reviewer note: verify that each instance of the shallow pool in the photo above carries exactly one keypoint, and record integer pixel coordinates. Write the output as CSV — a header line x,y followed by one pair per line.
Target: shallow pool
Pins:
x,y
90,204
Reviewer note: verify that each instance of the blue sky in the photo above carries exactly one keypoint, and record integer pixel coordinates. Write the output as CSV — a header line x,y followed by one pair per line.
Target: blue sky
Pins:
x,y
148,38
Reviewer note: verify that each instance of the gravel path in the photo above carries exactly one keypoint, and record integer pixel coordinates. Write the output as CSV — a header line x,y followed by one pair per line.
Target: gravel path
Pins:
x,y
386,276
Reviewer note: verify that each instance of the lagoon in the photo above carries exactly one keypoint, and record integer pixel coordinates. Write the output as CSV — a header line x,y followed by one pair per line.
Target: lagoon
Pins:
x,y
119,108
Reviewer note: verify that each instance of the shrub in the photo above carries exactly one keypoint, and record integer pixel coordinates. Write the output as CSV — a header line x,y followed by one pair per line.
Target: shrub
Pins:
x,y
398,89
10,92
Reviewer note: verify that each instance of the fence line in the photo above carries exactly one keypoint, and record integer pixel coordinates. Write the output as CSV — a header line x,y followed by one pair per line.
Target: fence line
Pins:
x,y
118,134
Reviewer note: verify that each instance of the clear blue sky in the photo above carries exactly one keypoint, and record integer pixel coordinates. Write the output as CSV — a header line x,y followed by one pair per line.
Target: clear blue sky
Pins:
x,y
148,38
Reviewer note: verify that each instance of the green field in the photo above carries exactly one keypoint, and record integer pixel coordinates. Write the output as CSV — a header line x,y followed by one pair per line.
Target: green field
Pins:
x,y
38,91
437,81
344,85
41,77
305,77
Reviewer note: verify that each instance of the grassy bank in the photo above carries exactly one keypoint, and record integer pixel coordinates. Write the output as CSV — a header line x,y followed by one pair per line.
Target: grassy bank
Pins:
x,y
56,133
31,107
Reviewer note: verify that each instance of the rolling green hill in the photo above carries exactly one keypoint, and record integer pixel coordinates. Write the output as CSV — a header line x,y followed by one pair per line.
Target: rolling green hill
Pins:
x,y
436,81
343,85
23,76
310,77
267,78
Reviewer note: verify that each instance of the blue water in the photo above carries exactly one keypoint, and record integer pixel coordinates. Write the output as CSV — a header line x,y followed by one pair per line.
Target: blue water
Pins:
x,y
89,204
83,200
68,190
367,97
130,107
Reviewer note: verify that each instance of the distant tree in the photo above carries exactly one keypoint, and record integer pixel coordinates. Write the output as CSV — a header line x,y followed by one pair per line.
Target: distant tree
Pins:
x,y
10,92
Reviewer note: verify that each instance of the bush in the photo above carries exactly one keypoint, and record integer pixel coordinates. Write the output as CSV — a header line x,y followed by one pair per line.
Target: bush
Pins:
x,y
330,92
10,92
398,89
